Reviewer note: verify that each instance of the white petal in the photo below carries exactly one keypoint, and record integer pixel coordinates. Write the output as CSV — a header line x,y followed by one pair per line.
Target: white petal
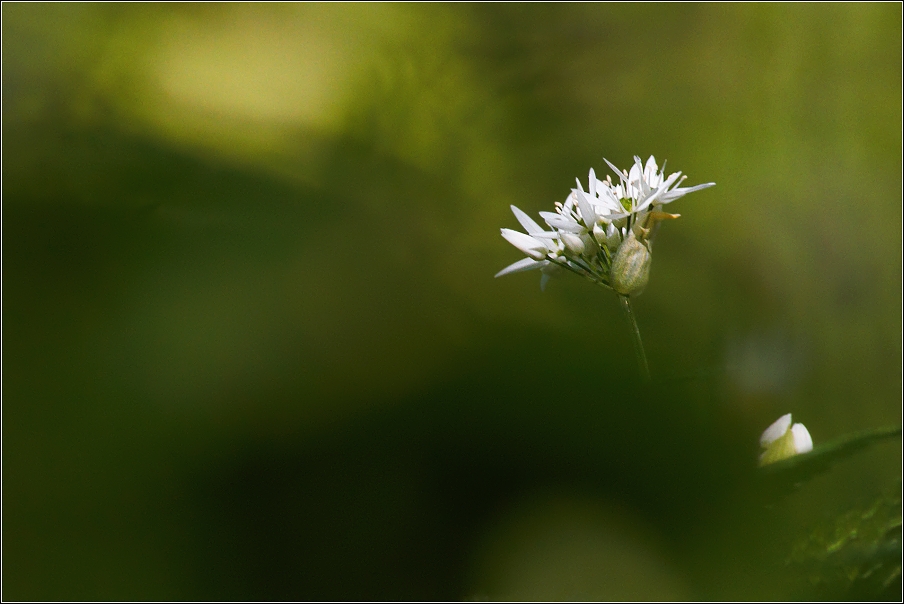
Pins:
x,y
658,194
587,212
532,247
776,430
568,206
526,221
616,216
544,235
614,169
671,180
525,264
681,192
651,172
802,441
557,221
635,176
612,197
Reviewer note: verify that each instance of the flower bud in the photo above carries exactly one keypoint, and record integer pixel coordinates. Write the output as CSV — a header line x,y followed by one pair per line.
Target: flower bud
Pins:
x,y
781,440
630,267
599,233
572,242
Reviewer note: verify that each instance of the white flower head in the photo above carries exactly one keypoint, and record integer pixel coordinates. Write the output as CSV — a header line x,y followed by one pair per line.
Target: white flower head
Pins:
x,y
782,440
589,228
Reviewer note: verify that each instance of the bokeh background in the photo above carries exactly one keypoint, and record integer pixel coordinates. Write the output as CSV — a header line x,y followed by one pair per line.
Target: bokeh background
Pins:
x,y
252,343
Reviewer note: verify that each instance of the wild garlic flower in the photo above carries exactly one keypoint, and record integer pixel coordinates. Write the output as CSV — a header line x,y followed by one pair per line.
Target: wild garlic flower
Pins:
x,y
781,440
605,233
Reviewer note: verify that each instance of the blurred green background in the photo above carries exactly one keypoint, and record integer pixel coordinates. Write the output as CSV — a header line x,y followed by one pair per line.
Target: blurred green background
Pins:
x,y
252,343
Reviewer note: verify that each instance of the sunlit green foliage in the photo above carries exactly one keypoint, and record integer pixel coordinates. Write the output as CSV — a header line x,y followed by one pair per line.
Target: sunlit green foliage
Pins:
x,y
855,557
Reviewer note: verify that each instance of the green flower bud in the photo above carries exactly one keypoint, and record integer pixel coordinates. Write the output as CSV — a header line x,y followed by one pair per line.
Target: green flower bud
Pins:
x,y
781,440
630,267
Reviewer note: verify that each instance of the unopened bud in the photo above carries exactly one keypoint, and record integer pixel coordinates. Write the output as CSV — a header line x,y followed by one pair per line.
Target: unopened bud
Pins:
x,y
630,267
599,233
781,440
572,242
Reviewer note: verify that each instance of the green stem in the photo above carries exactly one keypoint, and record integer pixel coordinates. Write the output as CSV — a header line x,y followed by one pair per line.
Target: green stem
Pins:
x,y
625,302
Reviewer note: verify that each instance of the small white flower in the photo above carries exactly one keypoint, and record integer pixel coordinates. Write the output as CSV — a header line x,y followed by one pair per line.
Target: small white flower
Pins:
x,y
781,440
643,189
590,227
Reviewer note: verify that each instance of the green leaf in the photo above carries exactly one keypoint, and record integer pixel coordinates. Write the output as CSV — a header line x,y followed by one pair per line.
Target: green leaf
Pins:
x,y
786,475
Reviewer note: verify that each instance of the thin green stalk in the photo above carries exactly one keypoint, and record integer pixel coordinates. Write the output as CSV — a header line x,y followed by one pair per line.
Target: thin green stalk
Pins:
x,y
625,302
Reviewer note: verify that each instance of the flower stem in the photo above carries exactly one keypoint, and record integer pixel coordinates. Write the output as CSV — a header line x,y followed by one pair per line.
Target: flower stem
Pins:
x,y
625,302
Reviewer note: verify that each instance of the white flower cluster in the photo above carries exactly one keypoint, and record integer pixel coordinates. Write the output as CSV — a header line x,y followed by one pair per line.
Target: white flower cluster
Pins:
x,y
781,440
603,234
